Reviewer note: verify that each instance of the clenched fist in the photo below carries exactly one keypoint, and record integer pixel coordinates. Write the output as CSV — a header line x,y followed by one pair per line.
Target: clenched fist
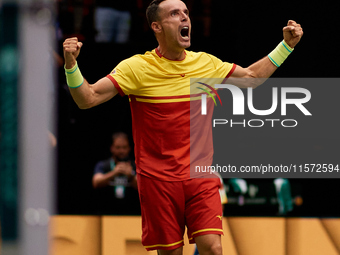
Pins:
x,y
71,48
292,33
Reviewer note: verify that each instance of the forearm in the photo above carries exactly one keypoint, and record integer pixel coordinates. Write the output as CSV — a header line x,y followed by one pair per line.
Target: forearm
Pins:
x,y
88,95
79,87
263,68
257,73
84,94
253,75
102,180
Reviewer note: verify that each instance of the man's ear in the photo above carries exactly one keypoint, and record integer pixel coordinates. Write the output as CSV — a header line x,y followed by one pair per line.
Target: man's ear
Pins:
x,y
156,27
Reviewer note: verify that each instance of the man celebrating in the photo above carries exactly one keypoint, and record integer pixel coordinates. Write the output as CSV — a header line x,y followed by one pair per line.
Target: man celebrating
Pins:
x,y
158,85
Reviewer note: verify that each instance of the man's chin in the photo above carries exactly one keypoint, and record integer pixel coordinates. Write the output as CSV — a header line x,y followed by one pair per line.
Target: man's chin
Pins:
x,y
186,45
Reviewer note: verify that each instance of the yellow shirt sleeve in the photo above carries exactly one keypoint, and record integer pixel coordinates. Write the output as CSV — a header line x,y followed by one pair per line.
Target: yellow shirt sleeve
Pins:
x,y
128,74
222,68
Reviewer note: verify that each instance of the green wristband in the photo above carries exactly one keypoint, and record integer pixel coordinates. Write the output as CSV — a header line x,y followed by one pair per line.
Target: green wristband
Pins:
x,y
280,53
74,77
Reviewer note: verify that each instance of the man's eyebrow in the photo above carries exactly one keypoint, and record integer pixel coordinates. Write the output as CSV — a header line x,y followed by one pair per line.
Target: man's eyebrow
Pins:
x,y
174,10
177,10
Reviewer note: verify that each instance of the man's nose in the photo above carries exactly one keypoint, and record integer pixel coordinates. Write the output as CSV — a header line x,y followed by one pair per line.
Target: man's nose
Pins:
x,y
184,16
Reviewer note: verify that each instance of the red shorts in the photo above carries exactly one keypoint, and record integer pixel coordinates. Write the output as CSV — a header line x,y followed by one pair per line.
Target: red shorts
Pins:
x,y
167,207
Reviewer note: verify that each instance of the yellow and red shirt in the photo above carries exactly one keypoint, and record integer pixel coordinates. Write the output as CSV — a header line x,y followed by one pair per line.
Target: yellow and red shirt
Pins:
x,y
159,92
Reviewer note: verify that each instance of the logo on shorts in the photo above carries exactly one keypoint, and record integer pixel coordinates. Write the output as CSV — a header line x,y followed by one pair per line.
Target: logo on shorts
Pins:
x,y
219,216
114,71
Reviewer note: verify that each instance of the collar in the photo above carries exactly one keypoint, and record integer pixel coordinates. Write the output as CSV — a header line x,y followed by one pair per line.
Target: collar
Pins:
x,y
161,56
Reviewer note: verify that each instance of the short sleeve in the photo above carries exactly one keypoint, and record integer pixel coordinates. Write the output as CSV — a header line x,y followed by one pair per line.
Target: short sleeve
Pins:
x,y
223,69
127,75
99,168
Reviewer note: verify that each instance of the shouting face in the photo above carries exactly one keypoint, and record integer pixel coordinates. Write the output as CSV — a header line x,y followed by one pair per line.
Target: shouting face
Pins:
x,y
173,27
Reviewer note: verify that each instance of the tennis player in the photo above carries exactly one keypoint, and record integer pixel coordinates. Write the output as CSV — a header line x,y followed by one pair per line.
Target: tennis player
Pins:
x,y
157,84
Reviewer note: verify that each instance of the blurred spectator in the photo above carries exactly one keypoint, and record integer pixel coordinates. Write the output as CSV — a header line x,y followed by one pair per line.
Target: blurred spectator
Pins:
x,y
112,20
115,180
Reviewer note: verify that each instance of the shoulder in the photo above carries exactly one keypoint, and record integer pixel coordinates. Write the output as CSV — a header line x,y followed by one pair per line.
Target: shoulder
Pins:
x,y
141,59
136,62
201,55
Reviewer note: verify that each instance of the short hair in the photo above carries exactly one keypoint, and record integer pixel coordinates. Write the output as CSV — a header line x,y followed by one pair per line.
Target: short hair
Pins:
x,y
119,135
152,11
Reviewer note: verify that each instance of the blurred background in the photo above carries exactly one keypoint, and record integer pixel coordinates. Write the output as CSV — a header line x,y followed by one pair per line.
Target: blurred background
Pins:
x,y
49,147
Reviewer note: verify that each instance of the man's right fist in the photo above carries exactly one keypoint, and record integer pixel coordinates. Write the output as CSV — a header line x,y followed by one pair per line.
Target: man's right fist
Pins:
x,y
71,51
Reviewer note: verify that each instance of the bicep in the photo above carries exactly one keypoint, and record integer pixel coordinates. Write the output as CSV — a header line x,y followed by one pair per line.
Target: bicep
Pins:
x,y
240,72
103,90
90,95
246,77
240,77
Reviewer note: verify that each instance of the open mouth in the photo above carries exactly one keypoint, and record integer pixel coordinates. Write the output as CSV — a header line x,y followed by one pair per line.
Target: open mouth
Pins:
x,y
185,32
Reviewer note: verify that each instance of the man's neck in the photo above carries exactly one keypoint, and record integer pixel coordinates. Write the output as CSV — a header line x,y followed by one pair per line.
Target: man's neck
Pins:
x,y
172,55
